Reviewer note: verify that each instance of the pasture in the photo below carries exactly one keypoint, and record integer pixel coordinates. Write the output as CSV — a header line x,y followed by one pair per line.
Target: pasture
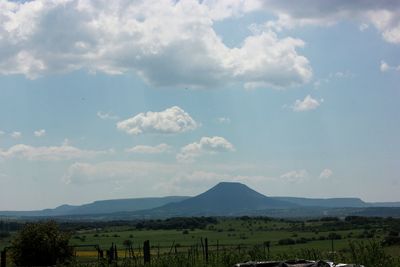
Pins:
x,y
264,237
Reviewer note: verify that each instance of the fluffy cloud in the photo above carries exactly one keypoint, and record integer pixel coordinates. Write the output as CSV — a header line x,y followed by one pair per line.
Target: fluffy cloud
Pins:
x,y
40,133
161,148
167,43
296,176
206,145
326,173
384,14
106,116
170,121
308,103
48,153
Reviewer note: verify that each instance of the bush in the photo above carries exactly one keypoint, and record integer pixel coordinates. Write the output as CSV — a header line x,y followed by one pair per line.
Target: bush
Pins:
x,y
4,234
40,244
287,241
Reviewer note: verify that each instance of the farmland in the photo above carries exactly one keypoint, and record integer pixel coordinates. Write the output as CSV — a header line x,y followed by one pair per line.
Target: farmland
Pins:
x,y
273,238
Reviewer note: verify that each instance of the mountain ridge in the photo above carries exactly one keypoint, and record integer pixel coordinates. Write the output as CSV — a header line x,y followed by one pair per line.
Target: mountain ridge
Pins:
x,y
224,199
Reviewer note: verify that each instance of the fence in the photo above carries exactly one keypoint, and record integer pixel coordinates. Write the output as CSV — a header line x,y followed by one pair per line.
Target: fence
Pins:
x,y
200,251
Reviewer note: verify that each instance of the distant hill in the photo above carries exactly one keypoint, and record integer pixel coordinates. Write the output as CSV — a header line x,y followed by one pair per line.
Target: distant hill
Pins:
x,y
325,202
385,204
101,207
223,199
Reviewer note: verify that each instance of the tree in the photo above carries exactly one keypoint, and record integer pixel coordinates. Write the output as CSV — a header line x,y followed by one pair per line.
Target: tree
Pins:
x,y
40,244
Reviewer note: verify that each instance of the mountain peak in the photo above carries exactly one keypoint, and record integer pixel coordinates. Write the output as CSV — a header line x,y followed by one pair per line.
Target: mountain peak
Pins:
x,y
230,184
226,198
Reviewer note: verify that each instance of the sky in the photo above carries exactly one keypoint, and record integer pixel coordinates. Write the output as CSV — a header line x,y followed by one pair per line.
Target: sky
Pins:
x,y
125,99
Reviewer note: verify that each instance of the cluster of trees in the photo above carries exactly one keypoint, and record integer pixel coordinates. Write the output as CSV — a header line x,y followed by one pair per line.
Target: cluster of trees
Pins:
x,y
302,240
178,223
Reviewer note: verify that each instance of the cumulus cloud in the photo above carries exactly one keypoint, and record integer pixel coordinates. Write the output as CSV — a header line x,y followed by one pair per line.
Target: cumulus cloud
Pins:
x,y
142,149
48,153
170,121
296,176
326,173
106,116
206,145
167,43
40,133
384,14
308,103
16,135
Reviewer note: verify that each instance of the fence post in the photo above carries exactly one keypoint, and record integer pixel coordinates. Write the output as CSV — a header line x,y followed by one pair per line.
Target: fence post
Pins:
x,y
3,258
217,249
206,248
146,251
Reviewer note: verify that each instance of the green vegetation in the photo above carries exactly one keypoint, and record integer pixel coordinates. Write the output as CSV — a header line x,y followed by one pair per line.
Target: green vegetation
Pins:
x,y
40,244
181,241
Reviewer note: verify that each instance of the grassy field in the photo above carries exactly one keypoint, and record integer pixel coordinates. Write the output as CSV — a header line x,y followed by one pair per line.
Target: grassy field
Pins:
x,y
236,235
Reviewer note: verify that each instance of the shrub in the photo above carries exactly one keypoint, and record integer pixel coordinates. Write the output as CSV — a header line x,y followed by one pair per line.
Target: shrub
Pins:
x,y
286,241
40,244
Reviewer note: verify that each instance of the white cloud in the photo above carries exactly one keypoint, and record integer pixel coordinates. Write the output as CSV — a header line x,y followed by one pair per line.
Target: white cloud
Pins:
x,y
106,116
363,26
384,67
48,153
40,133
117,171
222,9
167,43
384,14
326,173
2,132
206,145
296,176
224,120
170,121
308,103
16,135
142,149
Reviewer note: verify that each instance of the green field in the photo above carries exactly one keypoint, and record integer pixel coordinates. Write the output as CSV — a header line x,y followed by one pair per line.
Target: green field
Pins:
x,y
238,235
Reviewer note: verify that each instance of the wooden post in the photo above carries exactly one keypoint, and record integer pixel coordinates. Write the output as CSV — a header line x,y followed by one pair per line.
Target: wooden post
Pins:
x,y
202,247
3,258
206,249
146,251
217,249
101,253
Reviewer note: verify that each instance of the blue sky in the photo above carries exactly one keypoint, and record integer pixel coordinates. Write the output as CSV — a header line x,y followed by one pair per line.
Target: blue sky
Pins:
x,y
136,99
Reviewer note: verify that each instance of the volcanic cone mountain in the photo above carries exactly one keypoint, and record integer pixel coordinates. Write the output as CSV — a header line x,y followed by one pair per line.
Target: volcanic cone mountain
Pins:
x,y
225,198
